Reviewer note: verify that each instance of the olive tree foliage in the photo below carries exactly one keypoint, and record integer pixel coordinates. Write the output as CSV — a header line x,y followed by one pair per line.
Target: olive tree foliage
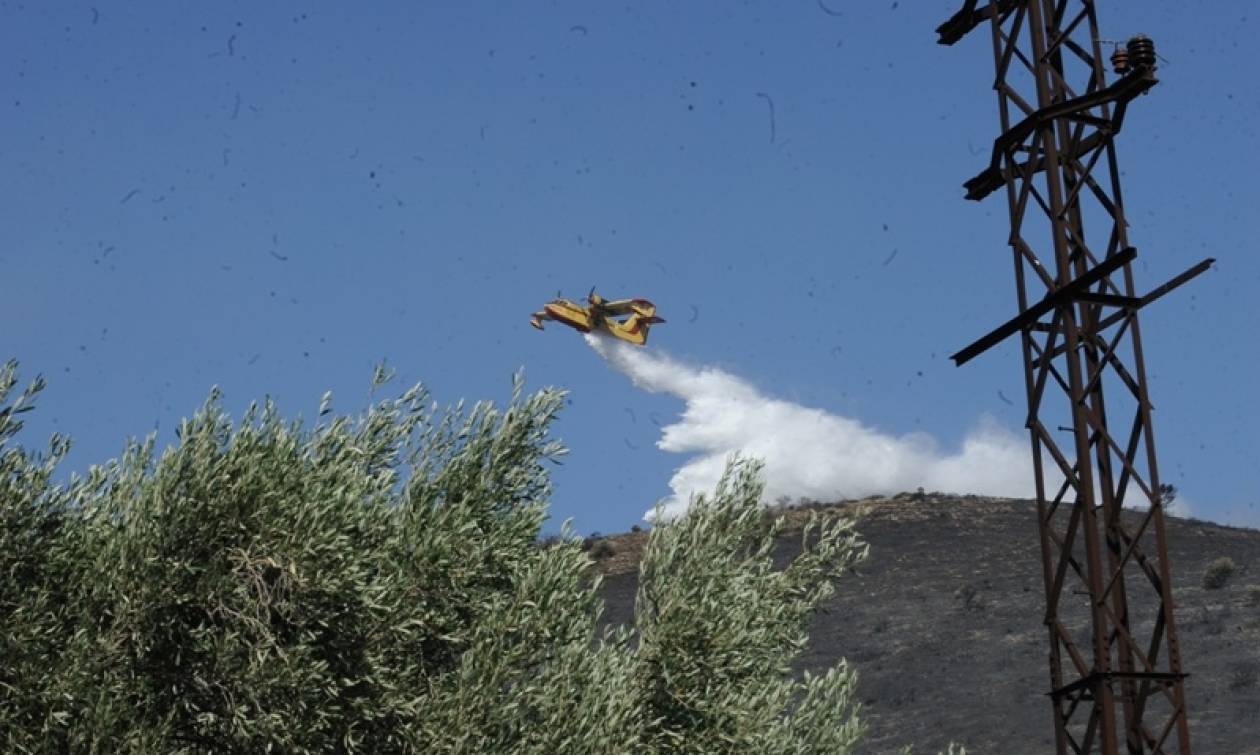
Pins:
x,y
33,571
374,583
719,627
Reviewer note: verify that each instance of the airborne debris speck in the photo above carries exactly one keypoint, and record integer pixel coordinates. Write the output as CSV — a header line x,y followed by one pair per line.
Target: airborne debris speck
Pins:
x,y
769,102
829,11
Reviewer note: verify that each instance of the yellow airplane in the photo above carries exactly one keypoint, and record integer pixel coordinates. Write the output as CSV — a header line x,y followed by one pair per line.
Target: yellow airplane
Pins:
x,y
600,314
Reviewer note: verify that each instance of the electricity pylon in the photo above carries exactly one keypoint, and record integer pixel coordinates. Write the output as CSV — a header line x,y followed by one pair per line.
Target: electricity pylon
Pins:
x,y
1115,666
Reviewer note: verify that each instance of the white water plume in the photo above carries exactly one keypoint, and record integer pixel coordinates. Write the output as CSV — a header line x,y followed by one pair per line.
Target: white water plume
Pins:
x,y
810,452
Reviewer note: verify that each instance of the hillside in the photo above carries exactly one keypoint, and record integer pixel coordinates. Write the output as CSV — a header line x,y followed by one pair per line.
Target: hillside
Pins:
x,y
944,625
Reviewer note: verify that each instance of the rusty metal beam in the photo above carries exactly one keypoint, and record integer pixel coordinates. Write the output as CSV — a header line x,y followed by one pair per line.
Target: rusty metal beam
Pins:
x,y
1064,295
1077,290
969,18
991,178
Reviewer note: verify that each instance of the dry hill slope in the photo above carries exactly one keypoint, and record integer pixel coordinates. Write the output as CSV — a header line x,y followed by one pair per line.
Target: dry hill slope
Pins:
x,y
944,625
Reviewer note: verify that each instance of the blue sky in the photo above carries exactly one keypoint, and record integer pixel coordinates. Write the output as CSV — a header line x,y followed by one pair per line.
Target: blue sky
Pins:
x,y
272,197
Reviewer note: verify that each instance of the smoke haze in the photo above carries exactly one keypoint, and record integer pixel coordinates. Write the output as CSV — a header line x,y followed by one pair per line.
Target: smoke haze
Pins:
x,y
809,452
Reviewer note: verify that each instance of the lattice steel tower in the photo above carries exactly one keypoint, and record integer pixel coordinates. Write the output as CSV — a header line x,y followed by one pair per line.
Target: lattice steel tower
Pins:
x,y
1115,667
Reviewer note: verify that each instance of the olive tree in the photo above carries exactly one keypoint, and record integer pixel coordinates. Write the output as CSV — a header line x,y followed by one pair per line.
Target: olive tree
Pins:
x,y
375,583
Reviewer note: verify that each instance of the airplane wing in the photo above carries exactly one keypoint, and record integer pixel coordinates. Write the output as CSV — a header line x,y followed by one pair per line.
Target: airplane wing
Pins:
x,y
628,306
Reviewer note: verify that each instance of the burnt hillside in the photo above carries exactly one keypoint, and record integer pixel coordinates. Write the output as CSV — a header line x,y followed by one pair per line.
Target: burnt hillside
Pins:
x,y
944,624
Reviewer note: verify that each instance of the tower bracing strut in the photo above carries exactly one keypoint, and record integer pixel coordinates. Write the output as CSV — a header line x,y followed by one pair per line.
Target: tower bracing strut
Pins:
x,y
1116,682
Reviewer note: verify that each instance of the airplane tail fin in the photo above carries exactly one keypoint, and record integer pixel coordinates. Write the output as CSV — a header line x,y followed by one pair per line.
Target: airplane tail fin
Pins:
x,y
635,328
536,320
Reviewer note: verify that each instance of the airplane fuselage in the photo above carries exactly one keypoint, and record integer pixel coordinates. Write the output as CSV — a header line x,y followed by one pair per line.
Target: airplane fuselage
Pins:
x,y
570,313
